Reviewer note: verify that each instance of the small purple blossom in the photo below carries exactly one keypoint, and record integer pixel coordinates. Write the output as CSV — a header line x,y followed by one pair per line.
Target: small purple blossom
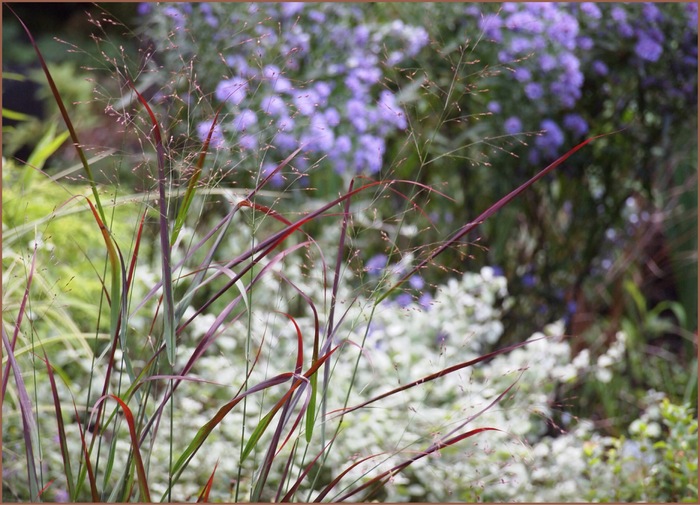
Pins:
x,y
576,124
232,90
534,91
286,141
591,10
522,74
332,116
404,300
564,30
529,280
61,496
625,30
524,21
323,91
217,136
584,43
618,14
513,125
390,111
290,9
547,62
651,12
249,142
306,101
244,120
277,179
494,107
273,104
343,144
369,154
376,264
356,112
520,45
600,67
648,49
285,124
144,8
425,300
552,138
416,282
320,136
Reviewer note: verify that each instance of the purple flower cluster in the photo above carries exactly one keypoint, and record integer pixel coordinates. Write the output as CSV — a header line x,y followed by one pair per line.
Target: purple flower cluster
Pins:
x,y
552,48
287,86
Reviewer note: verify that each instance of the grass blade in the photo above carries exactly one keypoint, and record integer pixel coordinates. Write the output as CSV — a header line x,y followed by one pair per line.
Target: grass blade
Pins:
x,y
436,375
204,495
61,429
140,469
169,314
29,429
192,185
20,316
487,213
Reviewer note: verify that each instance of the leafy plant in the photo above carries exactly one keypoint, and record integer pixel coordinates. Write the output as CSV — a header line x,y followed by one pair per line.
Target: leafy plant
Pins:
x,y
249,329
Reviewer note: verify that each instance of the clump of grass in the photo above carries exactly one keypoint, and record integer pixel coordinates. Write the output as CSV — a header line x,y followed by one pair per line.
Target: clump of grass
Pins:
x,y
287,421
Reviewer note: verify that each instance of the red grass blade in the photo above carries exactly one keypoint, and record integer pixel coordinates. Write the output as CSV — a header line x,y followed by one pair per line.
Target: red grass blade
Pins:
x,y
204,495
488,213
88,464
434,376
381,479
140,469
169,312
61,429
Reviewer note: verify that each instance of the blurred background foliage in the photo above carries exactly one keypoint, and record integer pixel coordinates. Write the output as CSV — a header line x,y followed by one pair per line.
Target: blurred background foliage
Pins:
x,y
608,241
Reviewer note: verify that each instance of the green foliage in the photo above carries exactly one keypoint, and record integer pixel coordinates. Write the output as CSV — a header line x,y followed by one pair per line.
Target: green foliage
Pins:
x,y
657,463
70,252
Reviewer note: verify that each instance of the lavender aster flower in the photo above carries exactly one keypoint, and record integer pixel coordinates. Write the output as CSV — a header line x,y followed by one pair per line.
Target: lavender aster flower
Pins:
x,y
651,12
369,154
306,101
600,68
376,264
404,300
522,74
217,136
332,116
618,14
552,138
390,111
491,26
513,125
416,282
273,105
249,142
575,124
534,91
591,10
564,30
547,62
245,119
648,49
494,107
232,90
